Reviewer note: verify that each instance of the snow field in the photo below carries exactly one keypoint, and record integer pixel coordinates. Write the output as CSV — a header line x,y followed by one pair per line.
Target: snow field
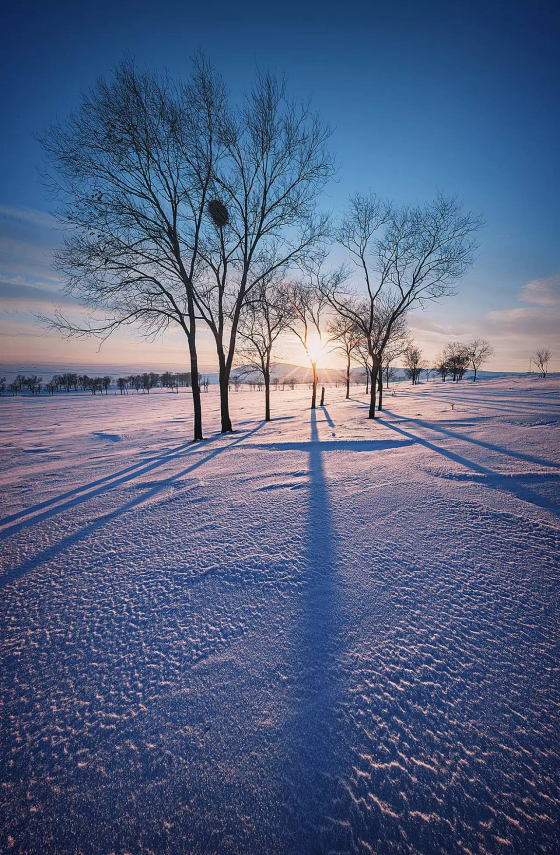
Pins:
x,y
316,635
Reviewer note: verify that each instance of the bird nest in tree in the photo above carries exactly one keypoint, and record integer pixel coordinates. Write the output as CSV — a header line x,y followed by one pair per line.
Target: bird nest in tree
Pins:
x,y
218,212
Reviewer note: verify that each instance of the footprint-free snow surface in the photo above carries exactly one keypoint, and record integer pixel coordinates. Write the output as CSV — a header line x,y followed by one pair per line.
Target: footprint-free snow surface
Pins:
x,y
317,635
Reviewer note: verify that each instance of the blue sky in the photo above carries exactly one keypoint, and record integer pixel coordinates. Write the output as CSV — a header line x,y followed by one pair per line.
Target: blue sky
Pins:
x,y
461,97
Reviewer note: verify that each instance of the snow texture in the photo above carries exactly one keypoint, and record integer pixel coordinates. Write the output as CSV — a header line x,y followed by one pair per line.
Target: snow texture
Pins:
x,y
318,635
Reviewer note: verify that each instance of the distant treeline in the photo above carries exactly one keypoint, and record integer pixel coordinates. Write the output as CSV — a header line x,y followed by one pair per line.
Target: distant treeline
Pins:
x,y
71,382
145,382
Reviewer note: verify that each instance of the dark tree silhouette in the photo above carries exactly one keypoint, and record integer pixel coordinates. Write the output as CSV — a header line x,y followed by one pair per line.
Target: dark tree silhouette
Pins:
x,y
456,355
273,164
132,167
413,363
265,317
542,357
407,255
480,352
344,337
308,301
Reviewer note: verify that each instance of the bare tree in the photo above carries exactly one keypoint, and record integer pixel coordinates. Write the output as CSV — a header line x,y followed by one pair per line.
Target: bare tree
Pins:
x,y
396,347
376,322
344,338
413,363
542,357
457,356
308,301
272,167
132,168
33,383
2,385
389,374
362,356
408,256
441,366
480,352
265,317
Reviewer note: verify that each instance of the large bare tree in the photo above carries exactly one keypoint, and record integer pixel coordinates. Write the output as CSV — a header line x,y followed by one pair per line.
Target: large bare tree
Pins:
x,y
407,256
266,184
132,168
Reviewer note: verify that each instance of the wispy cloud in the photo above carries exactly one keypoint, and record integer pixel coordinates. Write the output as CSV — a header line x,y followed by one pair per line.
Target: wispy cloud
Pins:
x,y
426,324
524,322
545,292
537,322
27,215
15,293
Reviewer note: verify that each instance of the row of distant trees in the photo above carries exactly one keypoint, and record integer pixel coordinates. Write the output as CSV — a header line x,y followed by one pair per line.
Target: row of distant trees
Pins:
x,y
186,206
70,381
150,380
67,382
454,360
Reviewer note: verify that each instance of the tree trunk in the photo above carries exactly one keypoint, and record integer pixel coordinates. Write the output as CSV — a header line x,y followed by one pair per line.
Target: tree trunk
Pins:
x,y
267,394
474,377
348,376
226,426
380,407
373,392
197,404
367,380
322,396
315,381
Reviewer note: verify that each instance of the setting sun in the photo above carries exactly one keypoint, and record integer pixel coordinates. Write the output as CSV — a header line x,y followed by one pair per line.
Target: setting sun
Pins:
x,y
315,349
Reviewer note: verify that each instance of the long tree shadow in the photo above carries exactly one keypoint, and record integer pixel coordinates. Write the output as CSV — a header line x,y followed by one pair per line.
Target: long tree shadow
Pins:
x,y
529,458
92,490
494,480
77,536
504,406
312,736
327,416
74,492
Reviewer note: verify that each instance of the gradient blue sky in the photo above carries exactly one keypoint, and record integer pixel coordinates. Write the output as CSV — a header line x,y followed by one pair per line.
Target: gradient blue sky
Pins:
x,y
457,96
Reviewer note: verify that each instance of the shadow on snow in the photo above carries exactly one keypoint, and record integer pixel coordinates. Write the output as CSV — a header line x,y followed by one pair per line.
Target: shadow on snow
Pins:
x,y
71,539
311,741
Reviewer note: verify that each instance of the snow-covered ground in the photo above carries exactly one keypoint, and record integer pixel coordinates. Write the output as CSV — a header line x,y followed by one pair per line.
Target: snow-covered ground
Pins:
x,y
320,635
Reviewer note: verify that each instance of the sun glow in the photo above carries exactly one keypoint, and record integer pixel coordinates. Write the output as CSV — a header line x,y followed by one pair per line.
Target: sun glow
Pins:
x,y
315,349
